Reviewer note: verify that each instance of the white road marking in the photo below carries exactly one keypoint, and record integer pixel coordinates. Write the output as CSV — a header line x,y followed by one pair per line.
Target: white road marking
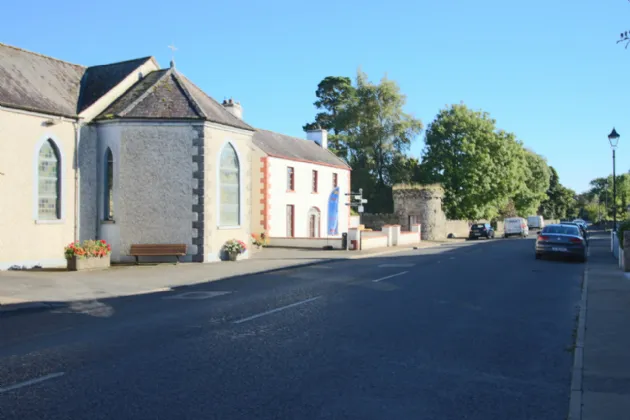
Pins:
x,y
272,311
396,265
31,382
196,295
389,277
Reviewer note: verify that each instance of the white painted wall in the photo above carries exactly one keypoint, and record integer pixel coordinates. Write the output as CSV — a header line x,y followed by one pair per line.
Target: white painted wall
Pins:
x,y
24,240
408,238
315,243
373,241
303,198
216,137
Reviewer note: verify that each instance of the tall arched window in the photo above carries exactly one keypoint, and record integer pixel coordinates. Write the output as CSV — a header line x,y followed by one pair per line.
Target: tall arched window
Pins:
x,y
108,190
229,188
49,182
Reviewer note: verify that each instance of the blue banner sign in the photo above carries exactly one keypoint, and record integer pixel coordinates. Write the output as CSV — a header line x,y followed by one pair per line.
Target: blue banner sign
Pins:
x,y
333,212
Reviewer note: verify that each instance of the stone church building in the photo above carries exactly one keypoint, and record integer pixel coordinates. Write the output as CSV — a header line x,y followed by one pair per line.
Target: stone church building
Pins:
x,y
127,152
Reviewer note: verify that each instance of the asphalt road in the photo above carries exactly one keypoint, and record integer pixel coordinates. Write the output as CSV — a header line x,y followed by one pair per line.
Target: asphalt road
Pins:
x,y
479,330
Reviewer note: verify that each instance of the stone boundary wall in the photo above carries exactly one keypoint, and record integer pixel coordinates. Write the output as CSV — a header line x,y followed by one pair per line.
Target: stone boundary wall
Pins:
x,y
376,221
423,204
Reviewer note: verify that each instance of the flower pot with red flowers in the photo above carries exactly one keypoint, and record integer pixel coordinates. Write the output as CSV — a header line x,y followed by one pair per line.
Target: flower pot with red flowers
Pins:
x,y
89,255
234,248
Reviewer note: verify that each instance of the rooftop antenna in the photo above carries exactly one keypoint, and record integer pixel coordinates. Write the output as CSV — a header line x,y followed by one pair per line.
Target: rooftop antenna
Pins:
x,y
173,49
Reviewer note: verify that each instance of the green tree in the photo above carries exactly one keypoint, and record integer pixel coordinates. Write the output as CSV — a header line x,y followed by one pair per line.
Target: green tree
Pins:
x,y
508,210
334,95
560,202
549,206
479,168
602,189
537,175
371,131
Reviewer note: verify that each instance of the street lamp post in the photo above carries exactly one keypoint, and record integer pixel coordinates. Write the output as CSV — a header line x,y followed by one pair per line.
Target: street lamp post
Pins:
x,y
605,202
613,138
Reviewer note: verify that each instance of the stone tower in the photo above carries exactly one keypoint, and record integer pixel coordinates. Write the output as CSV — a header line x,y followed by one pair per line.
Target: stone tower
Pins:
x,y
421,204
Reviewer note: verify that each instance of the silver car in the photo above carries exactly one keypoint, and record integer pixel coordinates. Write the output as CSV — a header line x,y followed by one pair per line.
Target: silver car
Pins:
x,y
561,240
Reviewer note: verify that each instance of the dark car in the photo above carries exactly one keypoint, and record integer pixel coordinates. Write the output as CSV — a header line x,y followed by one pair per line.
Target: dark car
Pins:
x,y
561,240
582,228
481,230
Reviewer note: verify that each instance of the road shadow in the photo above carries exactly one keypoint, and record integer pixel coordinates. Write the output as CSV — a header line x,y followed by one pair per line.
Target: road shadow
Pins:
x,y
257,282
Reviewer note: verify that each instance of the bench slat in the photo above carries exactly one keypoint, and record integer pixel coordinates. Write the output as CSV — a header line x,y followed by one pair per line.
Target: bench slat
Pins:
x,y
157,249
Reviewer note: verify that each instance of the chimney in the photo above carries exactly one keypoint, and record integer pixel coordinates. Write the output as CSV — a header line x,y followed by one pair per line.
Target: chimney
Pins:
x,y
233,108
319,136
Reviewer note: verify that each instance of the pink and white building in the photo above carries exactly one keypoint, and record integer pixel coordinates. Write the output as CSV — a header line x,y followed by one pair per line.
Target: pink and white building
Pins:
x,y
292,181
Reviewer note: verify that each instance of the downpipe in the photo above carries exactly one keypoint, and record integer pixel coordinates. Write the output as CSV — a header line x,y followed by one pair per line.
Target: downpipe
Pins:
x,y
77,142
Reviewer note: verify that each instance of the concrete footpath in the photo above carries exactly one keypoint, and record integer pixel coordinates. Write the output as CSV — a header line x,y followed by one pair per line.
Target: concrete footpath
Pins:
x,y
32,289
601,379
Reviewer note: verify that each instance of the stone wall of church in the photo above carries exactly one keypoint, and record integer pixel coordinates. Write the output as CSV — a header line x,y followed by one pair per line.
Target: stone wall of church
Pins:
x,y
155,184
88,183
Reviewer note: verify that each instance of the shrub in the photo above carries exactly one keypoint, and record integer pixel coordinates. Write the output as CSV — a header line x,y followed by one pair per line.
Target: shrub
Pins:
x,y
623,226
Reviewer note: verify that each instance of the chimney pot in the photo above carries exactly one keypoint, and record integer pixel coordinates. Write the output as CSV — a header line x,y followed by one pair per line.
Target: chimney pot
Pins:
x,y
319,136
234,108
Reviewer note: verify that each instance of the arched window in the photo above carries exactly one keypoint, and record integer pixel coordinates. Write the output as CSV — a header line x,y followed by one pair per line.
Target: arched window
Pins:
x,y
49,182
229,188
314,218
108,200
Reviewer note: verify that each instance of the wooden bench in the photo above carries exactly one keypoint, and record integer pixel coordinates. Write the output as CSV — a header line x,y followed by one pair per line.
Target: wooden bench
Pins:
x,y
157,250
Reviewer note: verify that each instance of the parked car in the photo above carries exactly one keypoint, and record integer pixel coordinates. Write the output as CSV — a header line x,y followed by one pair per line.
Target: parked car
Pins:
x,y
535,222
481,230
583,230
561,240
581,221
515,226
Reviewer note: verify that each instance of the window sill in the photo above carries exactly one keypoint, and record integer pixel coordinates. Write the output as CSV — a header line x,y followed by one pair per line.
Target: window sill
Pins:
x,y
50,222
290,191
228,227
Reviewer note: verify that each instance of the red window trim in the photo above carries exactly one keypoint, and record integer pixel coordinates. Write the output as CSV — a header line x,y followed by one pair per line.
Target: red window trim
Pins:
x,y
292,220
291,179
315,182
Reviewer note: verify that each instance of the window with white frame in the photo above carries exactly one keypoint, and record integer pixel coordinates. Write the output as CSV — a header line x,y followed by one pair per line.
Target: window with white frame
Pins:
x,y
229,188
49,182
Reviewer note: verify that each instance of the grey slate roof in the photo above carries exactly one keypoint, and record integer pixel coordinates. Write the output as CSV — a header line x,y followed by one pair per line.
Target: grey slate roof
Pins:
x,y
289,147
35,82
98,80
166,94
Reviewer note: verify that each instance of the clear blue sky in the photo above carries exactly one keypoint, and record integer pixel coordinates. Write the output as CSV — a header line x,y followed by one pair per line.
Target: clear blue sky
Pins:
x,y
549,71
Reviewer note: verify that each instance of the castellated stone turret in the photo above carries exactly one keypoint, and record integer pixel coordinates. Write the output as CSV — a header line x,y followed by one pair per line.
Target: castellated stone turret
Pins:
x,y
415,203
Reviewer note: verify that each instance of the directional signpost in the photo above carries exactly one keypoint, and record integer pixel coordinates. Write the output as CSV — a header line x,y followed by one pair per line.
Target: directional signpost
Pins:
x,y
358,203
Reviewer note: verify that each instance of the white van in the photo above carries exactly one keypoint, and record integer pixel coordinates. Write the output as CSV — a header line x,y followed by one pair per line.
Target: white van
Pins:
x,y
535,222
515,226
